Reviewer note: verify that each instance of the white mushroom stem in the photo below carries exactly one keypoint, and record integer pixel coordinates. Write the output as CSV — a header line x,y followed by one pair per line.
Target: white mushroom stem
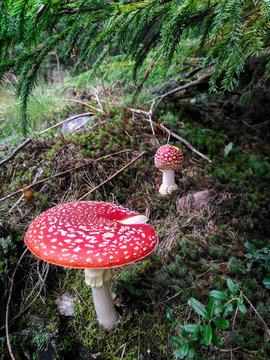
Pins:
x,y
98,279
168,177
106,313
168,183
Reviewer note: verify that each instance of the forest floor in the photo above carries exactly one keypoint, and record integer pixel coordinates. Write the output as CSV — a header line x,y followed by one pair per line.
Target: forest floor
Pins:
x,y
202,245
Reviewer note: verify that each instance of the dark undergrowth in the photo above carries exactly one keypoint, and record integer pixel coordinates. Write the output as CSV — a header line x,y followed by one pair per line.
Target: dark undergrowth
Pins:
x,y
198,251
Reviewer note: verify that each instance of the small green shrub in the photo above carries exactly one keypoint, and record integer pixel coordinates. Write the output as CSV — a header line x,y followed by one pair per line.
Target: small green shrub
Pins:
x,y
212,318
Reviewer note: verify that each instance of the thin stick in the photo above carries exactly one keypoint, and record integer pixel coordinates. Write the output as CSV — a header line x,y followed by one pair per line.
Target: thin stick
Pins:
x,y
186,86
264,323
85,104
8,302
28,141
112,176
97,99
68,119
171,133
61,173
15,152
43,180
104,90
16,203
58,67
44,274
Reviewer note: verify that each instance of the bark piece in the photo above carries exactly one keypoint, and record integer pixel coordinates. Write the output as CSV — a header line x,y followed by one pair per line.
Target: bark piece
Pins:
x,y
193,201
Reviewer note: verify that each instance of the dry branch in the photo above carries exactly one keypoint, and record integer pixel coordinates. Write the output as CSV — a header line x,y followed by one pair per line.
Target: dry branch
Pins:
x,y
85,104
171,133
15,152
8,302
61,173
256,312
64,121
29,140
148,114
196,82
112,176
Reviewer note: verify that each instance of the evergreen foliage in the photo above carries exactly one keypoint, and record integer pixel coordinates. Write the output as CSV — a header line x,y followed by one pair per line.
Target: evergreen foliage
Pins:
x,y
229,32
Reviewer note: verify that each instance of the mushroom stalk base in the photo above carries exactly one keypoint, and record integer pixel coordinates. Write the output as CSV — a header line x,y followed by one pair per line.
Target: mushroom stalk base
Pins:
x,y
106,313
168,185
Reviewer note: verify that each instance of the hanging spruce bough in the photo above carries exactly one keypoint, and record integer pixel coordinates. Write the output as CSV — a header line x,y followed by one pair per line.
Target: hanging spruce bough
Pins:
x,y
229,31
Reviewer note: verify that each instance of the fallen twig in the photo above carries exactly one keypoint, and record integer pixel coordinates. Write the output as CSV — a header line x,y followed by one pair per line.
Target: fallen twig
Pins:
x,y
85,104
29,140
61,173
264,323
206,75
171,133
64,121
16,203
8,302
112,176
104,91
15,152
148,114
44,276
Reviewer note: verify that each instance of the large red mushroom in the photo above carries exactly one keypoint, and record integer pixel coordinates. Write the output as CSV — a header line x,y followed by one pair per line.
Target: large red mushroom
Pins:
x,y
168,158
95,236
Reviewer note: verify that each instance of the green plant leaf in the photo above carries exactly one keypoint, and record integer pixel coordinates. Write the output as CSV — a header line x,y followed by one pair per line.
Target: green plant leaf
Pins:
x,y
221,323
210,307
185,334
196,333
216,340
169,314
250,247
233,287
207,335
241,306
176,339
228,309
219,295
191,354
189,328
182,351
266,283
218,309
198,307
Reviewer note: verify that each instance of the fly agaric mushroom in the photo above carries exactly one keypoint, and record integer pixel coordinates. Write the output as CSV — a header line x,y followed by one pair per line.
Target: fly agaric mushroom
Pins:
x,y
168,158
95,236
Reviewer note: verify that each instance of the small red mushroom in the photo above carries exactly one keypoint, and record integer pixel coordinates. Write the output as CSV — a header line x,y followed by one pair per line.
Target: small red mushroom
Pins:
x,y
95,236
168,158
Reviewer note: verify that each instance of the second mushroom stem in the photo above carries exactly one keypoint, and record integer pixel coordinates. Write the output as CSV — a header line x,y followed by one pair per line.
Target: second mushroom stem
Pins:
x,y
168,177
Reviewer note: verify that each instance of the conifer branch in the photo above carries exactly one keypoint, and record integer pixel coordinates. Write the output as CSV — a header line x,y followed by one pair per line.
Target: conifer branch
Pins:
x,y
229,31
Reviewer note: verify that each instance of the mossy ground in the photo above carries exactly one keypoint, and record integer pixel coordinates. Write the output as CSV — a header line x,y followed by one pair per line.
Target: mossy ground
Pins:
x,y
197,251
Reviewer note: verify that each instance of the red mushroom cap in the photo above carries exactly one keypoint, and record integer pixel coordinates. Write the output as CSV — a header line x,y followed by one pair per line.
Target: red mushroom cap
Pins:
x,y
169,157
89,234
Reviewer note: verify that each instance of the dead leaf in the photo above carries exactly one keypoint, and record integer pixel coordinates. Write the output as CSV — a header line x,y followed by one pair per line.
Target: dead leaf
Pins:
x,y
28,193
240,253
223,268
